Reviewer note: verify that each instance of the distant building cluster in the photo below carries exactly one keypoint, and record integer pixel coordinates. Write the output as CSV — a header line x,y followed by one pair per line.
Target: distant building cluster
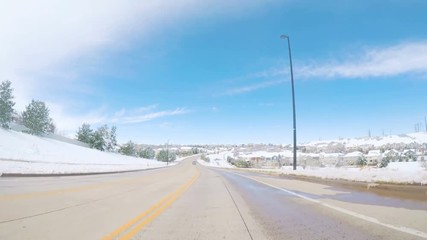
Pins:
x,y
369,151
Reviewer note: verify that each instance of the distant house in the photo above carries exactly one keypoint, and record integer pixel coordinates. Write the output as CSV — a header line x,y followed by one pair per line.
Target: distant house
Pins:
x,y
392,155
373,157
310,159
352,158
409,155
421,158
330,159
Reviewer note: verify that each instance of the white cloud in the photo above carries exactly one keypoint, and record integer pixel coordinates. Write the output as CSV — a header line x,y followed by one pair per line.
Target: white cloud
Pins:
x,y
68,124
136,116
405,58
42,38
400,59
252,87
42,35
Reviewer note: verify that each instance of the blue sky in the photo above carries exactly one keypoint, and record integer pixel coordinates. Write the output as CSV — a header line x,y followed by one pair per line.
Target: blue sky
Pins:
x,y
217,71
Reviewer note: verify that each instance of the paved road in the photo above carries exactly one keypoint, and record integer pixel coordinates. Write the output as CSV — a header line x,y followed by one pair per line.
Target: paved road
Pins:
x,y
193,202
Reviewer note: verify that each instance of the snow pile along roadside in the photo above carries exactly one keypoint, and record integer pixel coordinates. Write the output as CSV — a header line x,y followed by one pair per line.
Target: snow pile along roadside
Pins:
x,y
28,154
396,172
217,160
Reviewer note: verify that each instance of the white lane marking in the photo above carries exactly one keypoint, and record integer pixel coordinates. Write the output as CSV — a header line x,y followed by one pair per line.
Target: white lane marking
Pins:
x,y
345,211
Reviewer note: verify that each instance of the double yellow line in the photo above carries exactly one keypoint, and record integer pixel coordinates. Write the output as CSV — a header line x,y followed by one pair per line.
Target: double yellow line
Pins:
x,y
130,229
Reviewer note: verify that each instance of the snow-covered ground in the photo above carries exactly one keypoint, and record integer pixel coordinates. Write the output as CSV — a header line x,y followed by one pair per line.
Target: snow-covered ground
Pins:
x,y
419,137
218,160
395,172
24,153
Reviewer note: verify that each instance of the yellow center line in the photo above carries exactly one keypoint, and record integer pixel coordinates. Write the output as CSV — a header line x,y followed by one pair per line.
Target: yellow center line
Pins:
x,y
150,218
153,212
138,218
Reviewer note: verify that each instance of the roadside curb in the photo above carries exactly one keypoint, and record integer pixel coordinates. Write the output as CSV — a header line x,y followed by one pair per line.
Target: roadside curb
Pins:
x,y
6,175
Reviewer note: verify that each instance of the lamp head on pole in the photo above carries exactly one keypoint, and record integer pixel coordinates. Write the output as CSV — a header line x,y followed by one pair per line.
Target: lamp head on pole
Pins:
x,y
284,36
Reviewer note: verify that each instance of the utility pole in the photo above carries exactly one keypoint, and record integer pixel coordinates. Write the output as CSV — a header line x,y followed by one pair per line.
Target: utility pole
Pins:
x,y
293,102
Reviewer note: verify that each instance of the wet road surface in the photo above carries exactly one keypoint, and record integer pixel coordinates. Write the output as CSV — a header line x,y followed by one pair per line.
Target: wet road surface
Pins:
x,y
299,212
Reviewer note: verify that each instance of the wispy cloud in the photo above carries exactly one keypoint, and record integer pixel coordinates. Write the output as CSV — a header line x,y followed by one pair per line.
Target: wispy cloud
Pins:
x,y
269,73
137,116
252,87
42,42
123,113
67,124
46,35
405,58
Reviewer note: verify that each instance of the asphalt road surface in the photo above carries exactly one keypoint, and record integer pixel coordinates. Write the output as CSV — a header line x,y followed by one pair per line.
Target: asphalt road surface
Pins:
x,y
189,201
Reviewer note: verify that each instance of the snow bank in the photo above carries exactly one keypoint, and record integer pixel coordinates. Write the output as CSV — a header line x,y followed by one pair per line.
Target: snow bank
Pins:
x,y
24,153
218,160
402,172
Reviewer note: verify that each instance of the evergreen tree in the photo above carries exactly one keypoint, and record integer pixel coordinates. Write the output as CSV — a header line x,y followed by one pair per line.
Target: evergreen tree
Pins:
x,y
166,156
361,161
104,131
162,155
102,139
36,118
195,150
172,156
128,149
98,140
85,134
6,104
384,162
147,153
52,127
112,139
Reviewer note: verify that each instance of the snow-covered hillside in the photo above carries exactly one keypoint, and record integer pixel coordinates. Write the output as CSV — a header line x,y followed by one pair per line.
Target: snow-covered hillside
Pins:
x,y
24,153
419,137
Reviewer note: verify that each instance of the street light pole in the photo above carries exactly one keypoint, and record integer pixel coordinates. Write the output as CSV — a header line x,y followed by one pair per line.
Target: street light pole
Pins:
x,y
293,101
